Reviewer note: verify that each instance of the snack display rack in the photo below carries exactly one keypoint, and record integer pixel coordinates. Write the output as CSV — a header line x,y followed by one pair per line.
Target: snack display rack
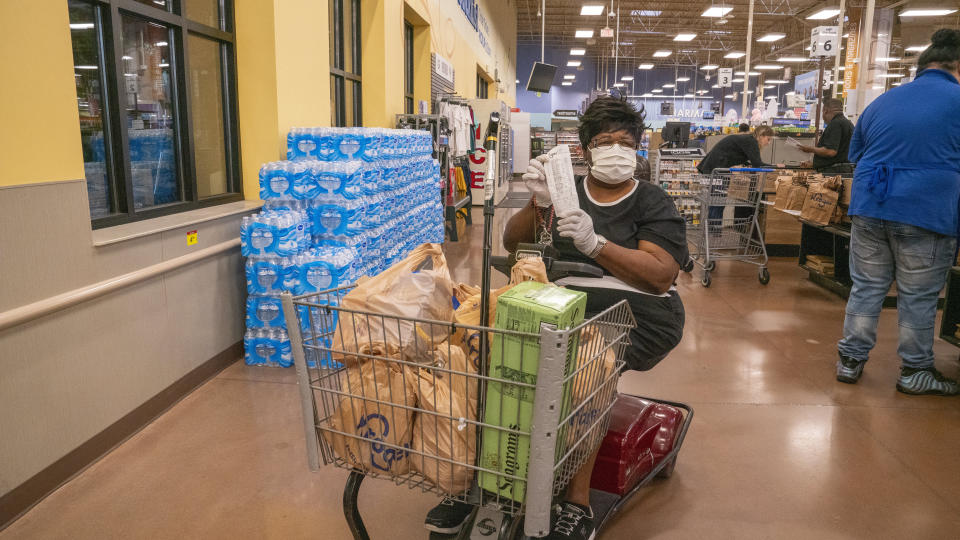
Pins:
x,y
676,172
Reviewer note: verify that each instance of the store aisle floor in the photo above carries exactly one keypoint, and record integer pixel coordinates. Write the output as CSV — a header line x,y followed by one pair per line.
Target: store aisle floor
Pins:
x,y
778,448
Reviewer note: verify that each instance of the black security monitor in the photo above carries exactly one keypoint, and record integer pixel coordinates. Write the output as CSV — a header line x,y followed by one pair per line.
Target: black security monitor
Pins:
x,y
541,77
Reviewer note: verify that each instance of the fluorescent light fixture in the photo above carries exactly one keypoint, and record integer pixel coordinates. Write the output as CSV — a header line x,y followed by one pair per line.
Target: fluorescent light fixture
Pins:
x,y
792,59
729,96
683,79
668,85
767,67
891,76
702,92
569,77
825,13
737,80
573,63
645,66
164,64
709,67
735,55
566,83
878,87
688,95
619,85
161,44
739,73
917,48
768,86
84,67
843,68
657,90
126,57
898,83
716,11
648,95
749,91
626,78
81,26
578,52
777,81
774,36
516,81
754,73
790,93
715,86
584,34
646,13
662,54
684,36
926,12
591,10
129,74
888,59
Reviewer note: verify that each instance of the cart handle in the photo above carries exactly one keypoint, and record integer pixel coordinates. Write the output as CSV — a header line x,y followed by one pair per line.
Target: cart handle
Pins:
x,y
747,169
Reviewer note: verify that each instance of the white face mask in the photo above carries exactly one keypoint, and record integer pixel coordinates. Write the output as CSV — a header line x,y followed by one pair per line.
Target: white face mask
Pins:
x,y
613,164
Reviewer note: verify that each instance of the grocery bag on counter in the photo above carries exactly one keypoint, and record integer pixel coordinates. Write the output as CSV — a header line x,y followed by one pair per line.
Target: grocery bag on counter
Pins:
x,y
790,196
418,287
442,430
375,437
820,203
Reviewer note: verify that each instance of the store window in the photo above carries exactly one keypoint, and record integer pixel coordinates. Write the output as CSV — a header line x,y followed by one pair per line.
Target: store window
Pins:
x,y
482,86
156,99
345,81
408,67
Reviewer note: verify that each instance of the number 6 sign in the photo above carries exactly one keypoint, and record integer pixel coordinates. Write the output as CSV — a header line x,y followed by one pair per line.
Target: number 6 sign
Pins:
x,y
823,41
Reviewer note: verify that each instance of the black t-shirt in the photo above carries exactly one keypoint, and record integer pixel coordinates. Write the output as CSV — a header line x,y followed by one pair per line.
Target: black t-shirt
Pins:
x,y
647,213
733,151
837,137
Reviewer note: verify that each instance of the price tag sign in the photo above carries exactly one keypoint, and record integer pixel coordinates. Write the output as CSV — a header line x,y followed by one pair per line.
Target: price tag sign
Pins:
x,y
192,238
823,41
725,77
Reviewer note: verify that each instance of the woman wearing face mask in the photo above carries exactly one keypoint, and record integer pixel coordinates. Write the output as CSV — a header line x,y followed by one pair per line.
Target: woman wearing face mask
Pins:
x,y
633,231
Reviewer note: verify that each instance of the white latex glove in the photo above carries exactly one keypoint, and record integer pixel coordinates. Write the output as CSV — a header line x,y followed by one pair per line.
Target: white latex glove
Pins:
x,y
578,226
536,181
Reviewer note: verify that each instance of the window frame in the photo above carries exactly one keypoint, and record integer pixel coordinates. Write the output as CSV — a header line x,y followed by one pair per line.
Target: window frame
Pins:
x,y
339,76
408,76
484,85
109,16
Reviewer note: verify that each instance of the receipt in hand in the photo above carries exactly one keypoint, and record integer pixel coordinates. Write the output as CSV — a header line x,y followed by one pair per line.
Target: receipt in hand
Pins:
x,y
560,182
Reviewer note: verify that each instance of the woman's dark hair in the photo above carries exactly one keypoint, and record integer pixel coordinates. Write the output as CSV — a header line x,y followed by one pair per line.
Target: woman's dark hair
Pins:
x,y
607,114
944,49
763,131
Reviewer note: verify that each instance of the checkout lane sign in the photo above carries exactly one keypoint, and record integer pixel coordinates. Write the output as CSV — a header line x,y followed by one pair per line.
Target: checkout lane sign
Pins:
x,y
725,77
823,41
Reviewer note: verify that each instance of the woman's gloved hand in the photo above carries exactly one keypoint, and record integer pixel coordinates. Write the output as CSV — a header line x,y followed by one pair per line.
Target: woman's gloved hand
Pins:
x,y
536,181
578,226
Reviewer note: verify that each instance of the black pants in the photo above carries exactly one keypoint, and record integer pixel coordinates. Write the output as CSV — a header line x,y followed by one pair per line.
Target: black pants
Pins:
x,y
659,327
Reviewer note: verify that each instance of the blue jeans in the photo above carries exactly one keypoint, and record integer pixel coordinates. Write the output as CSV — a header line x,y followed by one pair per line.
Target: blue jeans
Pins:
x,y
881,251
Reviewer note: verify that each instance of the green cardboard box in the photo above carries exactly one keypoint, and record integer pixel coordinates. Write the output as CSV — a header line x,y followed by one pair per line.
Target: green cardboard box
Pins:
x,y
524,308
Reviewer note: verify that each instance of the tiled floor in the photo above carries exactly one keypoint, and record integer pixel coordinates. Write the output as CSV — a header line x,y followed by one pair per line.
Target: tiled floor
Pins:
x,y
777,450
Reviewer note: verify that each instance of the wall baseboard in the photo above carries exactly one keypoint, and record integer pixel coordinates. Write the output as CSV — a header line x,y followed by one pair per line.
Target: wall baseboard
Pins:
x,y
22,498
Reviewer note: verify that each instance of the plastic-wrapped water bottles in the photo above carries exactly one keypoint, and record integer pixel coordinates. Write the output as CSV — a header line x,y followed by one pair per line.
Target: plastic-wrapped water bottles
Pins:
x,y
335,215
267,346
274,233
321,268
344,178
285,180
264,312
265,276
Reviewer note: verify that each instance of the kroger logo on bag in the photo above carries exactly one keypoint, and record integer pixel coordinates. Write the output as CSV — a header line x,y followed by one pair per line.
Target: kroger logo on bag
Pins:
x,y
375,427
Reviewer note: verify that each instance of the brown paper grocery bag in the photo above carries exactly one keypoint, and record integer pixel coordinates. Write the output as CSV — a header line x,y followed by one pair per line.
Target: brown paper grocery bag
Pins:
x,y
790,197
820,204
740,187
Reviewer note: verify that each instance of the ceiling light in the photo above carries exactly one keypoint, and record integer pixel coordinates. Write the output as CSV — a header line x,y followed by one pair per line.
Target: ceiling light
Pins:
x,y
569,77
647,95
626,78
573,63
584,34
709,67
735,55
791,59
591,10
683,79
661,54
126,57
84,67
917,48
825,13
749,91
888,59
790,93
926,12
657,90
688,95
878,87
701,92
715,86
516,81
891,76
668,85
646,13
161,44
716,11
618,85
645,66
768,86
684,37
767,67
898,83
566,83
738,80
772,37
81,26
164,64
777,81
729,96
577,52
842,68
754,73
739,73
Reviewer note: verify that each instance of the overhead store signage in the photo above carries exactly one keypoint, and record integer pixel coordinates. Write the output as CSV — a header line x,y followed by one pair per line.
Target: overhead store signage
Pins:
x,y
477,21
725,77
566,113
823,41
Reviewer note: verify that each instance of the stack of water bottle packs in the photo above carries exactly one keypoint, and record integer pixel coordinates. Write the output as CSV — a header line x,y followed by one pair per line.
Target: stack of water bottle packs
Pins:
x,y
347,202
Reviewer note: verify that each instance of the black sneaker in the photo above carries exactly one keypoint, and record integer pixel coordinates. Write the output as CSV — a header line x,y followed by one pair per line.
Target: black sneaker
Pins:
x,y
849,370
926,382
448,517
572,521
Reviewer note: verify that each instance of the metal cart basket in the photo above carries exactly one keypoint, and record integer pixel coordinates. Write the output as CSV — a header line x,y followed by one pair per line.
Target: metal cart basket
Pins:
x,y
410,400
739,238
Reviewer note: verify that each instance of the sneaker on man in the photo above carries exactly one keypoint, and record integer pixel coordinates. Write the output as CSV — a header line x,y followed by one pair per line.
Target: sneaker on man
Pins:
x,y
849,370
448,517
926,382
572,521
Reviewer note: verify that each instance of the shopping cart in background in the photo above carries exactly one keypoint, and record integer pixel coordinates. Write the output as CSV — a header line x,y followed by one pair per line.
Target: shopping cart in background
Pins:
x,y
570,396
737,238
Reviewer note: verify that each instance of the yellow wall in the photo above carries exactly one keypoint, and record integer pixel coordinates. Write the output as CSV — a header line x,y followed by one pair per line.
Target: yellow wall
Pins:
x,y
39,94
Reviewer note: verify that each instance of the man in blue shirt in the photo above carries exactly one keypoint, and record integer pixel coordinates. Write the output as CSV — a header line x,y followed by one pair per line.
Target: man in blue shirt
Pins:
x,y
906,192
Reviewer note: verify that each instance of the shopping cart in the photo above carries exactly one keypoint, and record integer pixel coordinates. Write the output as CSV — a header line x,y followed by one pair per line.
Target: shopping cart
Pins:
x,y
739,238
355,369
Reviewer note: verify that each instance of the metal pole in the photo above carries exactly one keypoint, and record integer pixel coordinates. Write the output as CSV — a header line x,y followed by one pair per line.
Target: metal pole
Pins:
x,y
866,47
746,71
839,58
616,47
543,28
816,132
